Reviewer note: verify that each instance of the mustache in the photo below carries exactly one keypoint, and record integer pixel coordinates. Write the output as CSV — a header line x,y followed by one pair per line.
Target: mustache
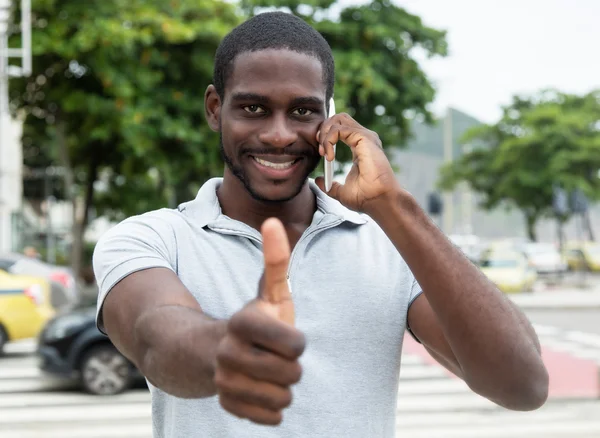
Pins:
x,y
278,151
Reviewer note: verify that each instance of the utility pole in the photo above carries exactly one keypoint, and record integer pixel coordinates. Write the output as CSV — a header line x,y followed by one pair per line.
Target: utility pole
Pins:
x,y
7,165
448,215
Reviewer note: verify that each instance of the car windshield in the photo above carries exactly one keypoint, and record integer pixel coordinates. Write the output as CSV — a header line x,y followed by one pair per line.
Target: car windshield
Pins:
x,y
6,264
540,249
499,263
594,250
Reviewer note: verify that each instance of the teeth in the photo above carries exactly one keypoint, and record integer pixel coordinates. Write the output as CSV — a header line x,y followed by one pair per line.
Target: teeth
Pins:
x,y
274,165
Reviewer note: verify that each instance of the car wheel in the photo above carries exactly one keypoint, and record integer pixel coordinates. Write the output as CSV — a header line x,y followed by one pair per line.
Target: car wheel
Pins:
x,y
105,371
3,340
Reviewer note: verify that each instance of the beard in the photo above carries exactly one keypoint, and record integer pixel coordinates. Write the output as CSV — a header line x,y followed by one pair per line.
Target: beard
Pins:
x,y
239,172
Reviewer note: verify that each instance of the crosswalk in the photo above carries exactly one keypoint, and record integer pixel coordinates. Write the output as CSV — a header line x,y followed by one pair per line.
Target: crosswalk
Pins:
x,y
431,404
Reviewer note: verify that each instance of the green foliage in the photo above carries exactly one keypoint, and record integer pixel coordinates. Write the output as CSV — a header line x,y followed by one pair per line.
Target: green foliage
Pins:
x,y
544,140
119,85
124,81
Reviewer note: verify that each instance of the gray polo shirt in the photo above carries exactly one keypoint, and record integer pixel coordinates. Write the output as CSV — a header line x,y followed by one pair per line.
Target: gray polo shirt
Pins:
x,y
351,292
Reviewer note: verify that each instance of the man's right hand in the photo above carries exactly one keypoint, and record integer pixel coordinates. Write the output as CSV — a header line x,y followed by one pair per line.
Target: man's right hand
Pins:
x,y
257,360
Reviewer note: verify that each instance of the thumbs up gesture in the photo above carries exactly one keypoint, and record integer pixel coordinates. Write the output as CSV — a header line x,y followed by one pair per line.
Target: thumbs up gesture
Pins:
x,y
257,359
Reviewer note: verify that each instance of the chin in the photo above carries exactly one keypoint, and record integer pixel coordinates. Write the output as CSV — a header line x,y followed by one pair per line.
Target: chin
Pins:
x,y
275,191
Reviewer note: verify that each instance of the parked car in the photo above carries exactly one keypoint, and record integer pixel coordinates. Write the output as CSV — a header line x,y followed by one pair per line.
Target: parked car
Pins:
x,y
64,288
509,270
583,256
71,347
24,307
545,258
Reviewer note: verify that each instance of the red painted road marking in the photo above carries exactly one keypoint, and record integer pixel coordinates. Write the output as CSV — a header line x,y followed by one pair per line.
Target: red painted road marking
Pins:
x,y
570,376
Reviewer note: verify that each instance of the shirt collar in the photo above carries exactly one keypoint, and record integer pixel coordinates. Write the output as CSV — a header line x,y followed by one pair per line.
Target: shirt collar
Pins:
x,y
206,209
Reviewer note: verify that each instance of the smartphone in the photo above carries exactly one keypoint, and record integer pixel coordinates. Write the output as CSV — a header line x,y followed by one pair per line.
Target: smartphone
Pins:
x,y
329,165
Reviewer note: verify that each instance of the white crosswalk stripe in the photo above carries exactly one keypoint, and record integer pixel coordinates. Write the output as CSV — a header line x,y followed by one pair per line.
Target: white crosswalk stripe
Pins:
x,y
444,407
430,405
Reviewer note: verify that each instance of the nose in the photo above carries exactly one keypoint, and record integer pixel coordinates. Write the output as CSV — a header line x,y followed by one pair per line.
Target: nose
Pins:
x,y
278,132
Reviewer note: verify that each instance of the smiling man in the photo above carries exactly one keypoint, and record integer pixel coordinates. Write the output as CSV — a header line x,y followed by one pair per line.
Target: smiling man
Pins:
x,y
266,302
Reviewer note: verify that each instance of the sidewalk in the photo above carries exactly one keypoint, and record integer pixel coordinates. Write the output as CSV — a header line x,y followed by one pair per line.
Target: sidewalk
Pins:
x,y
559,299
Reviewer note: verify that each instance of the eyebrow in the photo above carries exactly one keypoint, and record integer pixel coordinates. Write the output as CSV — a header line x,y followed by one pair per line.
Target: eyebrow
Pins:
x,y
307,100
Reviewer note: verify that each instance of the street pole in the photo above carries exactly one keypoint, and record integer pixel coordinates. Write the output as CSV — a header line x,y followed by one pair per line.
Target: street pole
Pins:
x,y
10,168
448,214
4,117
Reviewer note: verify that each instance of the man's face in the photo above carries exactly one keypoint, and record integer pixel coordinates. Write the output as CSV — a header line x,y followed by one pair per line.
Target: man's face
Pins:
x,y
273,106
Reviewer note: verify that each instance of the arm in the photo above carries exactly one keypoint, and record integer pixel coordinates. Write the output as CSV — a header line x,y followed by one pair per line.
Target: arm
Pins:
x,y
162,333
461,318
249,361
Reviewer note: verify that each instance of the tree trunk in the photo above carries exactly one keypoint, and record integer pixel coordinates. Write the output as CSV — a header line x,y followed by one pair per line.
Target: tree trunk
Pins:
x,y
531,220
588,225
69,178
561,233
81,220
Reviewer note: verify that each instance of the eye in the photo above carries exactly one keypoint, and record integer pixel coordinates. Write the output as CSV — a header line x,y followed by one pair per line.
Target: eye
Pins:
x,y
303,112
254,109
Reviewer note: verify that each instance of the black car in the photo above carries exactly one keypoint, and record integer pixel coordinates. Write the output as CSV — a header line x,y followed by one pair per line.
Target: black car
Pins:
x,y
71,347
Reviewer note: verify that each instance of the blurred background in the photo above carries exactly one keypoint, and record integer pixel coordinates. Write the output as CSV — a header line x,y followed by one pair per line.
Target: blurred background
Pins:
x,y
489,112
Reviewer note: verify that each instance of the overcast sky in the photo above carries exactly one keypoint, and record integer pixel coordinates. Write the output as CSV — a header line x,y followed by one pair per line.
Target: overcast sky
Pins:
x,y
502,47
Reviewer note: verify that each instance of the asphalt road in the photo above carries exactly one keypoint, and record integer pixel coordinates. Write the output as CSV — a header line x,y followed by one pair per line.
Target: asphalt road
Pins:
x,y
587,321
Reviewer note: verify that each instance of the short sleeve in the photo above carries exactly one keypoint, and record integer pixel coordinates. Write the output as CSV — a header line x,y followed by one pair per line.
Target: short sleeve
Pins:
x,y
415,292
138,243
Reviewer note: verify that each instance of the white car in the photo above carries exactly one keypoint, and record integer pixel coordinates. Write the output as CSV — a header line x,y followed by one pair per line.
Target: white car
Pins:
x,y
545,258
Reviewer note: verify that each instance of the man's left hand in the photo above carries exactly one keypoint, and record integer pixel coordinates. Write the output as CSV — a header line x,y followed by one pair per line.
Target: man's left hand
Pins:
x,y
371,178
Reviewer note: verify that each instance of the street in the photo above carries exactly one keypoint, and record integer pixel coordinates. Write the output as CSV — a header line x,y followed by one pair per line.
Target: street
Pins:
x,y
431,402
585,320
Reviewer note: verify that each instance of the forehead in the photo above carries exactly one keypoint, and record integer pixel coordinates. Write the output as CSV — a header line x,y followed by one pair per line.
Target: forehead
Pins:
x,y
277,73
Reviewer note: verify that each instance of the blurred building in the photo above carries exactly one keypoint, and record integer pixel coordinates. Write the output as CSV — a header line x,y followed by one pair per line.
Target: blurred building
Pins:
x,y
418,168
11,187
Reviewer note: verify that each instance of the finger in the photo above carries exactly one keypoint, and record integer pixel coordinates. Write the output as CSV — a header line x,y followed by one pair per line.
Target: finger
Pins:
x,y
253,413
257,327
338,119
350,135
258,363
327,149
334,192
254,392
276,251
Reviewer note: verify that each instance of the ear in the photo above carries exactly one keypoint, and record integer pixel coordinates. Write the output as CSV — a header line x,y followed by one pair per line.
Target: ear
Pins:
x,y
212,108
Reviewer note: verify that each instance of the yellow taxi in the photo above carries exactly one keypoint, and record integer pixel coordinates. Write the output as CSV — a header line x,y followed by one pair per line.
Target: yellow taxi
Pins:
x,y
509,270
24,307
583,255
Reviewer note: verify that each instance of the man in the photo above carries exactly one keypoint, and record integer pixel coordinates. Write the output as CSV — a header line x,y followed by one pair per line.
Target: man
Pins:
x,y
228,325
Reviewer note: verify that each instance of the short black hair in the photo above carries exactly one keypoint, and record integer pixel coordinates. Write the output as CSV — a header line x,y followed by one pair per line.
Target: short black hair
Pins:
x,y
273,30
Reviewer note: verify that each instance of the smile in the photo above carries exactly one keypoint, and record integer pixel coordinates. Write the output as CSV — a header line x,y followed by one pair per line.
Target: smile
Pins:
x,y
272,165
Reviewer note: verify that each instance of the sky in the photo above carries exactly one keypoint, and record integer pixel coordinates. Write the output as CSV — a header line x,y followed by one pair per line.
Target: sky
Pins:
x,y
501,48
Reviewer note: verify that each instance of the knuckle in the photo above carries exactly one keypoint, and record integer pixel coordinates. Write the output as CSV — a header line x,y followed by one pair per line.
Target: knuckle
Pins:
x,y
295,373
273,419
222,380
226,353
298,344
240,321
286,399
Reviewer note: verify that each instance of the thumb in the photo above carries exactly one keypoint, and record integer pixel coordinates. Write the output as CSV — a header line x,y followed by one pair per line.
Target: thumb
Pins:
x,y
276,252
335,187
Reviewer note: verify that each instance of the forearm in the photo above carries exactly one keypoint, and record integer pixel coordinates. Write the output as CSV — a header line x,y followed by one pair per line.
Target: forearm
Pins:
x,y
169,340
494,344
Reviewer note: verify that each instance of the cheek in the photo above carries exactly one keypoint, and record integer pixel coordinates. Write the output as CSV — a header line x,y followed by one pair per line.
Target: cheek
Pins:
x,y
238,132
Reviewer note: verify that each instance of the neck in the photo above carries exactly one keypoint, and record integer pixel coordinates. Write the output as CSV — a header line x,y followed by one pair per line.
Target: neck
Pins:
x,y
238,204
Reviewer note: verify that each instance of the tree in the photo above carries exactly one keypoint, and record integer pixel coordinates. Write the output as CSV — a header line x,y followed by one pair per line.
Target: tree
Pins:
x,y
116,96
378,80
543,141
